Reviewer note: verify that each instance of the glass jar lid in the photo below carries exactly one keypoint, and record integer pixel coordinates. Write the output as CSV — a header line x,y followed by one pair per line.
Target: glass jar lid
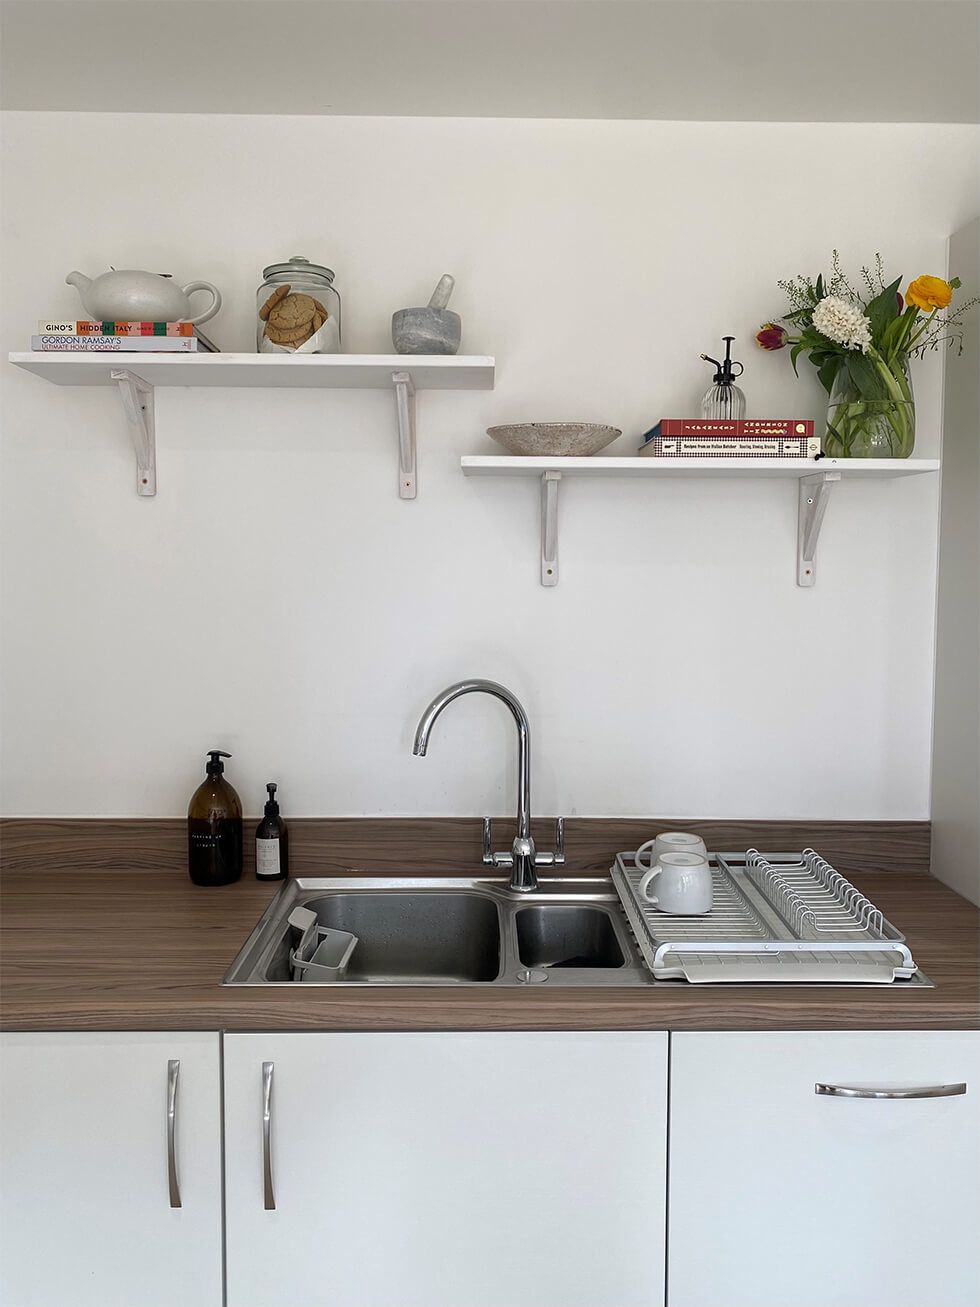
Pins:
x,y
297,266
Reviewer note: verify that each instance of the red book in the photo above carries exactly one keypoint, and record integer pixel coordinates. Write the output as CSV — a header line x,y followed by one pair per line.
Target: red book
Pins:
x,y
752,427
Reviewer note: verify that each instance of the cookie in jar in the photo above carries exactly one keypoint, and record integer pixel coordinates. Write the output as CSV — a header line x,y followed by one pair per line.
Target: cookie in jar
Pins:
x,y
298,309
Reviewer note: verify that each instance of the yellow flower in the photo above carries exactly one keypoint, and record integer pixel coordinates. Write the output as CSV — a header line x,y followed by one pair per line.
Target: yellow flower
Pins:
x,y
929,293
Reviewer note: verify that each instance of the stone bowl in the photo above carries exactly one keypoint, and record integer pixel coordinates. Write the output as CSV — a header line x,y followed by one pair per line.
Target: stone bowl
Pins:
x,y
554,439
425,331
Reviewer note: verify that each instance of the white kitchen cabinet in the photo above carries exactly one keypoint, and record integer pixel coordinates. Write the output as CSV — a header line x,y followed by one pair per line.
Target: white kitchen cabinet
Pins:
x,y
782,1196
86,1202
447,1170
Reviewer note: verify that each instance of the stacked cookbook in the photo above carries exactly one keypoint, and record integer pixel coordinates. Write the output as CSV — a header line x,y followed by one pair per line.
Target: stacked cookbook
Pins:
x,y
55,334
731,438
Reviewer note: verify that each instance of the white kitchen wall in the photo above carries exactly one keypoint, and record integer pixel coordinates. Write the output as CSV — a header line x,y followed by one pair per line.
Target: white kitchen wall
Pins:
x,y
277,599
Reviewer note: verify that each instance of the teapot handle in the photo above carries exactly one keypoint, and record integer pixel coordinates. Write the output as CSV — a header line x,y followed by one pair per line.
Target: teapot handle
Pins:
x,y
215,303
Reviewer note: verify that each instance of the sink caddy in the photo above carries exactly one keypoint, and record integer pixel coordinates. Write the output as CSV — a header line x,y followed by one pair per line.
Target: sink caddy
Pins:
x,y
322,954
783,917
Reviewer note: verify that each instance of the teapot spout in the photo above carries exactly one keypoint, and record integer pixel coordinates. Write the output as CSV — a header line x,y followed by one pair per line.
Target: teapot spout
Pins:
x,y
79,280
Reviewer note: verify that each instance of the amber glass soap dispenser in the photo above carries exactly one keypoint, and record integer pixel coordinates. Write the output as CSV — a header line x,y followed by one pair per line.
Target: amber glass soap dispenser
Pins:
x,y
271,842
214,828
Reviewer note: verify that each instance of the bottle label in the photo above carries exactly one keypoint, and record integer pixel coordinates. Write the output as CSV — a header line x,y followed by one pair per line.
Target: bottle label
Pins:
x,y
267,857
214,849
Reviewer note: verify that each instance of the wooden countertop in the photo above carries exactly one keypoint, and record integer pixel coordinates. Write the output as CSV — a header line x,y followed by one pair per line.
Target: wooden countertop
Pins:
x,y
145,950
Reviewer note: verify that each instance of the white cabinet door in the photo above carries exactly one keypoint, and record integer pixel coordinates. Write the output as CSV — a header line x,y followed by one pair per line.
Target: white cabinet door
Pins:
x,y
447,1170
85,1198
782,1196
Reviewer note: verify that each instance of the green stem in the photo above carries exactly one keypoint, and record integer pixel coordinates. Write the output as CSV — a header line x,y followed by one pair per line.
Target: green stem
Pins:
x,y
923,328
886,375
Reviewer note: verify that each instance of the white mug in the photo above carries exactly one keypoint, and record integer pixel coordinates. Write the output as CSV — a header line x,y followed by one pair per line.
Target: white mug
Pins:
x,y
674,841
683,885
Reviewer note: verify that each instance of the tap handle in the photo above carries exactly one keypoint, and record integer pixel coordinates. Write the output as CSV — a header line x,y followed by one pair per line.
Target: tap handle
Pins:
x,y
487,844
557,858
491,859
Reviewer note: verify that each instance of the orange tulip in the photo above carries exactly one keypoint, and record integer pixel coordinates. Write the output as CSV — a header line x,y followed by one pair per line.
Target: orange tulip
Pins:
x,y
929,293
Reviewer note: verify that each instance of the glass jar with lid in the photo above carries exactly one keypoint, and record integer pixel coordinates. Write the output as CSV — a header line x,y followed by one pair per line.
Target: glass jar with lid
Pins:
x,y
297,309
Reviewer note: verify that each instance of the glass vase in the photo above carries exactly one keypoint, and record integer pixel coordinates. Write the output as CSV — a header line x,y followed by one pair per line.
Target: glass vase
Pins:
x,y
874,419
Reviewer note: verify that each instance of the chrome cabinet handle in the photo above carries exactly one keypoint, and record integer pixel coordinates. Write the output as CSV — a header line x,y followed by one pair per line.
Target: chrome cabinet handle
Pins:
x,y
173,1071
923,1091
269,1195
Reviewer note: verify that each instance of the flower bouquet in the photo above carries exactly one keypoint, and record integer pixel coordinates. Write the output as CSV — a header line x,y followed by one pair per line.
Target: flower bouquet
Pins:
x,y
860,344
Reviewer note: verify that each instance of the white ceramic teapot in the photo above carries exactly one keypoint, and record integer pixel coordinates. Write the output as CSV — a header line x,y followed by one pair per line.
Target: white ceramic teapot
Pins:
x,y
128,295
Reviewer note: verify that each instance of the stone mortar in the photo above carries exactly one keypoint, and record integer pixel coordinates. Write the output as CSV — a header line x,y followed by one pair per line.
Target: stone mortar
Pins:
x,y
425,331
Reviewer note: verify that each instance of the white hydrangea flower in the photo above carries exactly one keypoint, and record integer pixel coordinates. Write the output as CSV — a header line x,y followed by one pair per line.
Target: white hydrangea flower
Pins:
x,y
842,322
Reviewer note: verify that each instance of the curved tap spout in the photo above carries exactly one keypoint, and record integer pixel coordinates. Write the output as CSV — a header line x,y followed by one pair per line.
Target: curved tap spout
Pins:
x,y
522,855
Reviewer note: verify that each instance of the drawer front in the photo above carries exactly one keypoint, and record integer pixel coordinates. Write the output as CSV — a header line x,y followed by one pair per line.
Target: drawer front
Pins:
x,y
824,1169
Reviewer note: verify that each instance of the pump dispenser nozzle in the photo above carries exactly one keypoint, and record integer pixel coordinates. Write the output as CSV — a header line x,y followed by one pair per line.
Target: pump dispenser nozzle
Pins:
x,y
215,765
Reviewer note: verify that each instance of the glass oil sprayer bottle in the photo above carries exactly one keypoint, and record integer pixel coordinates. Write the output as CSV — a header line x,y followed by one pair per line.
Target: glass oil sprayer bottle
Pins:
x,y
723,399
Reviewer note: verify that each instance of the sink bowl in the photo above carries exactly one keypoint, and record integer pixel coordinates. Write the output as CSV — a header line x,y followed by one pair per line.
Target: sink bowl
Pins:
x,y
567,935
448,931
415,937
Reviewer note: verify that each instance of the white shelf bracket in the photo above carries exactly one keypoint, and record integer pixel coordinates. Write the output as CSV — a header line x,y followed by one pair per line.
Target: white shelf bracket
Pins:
x,y
814,497
137,399
405,406
549,527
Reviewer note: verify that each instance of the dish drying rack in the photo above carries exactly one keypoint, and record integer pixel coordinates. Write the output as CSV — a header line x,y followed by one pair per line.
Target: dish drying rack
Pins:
x,y
781,917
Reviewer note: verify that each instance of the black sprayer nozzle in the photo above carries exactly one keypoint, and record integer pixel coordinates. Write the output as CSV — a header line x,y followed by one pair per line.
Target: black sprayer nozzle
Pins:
x,y
723,369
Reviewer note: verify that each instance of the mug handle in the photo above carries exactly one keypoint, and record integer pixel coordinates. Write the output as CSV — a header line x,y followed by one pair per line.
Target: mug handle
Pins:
x,y
215,302
650,844
648,880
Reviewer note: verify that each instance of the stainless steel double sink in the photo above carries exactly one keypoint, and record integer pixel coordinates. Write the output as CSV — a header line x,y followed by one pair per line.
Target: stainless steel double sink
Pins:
x,y
439,931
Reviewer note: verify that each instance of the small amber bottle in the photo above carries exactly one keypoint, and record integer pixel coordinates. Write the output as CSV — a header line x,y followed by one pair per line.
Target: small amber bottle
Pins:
x,y
214,828
271,842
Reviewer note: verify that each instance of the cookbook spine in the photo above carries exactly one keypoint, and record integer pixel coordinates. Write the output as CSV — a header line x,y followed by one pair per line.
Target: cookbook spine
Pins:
x,y
735,427
115,344
732,447
88,327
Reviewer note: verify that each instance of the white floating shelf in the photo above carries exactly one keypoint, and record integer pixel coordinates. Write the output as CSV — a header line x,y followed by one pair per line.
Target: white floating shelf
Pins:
x,y
814,477
508,465
137,374
343,371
